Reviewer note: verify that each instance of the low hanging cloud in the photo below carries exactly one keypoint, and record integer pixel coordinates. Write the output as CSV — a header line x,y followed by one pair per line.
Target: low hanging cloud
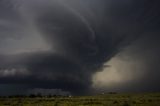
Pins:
x,y
13,72
60,44
46,92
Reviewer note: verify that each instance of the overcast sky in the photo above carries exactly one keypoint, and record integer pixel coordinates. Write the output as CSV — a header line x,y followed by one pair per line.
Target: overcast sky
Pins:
x,y
79,46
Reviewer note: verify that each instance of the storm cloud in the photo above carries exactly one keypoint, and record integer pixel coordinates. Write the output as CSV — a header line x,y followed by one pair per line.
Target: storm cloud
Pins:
x,y
61,44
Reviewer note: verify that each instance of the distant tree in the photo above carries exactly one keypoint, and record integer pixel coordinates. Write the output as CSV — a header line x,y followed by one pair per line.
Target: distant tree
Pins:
x,y
32,96
112,92
49,96
39,95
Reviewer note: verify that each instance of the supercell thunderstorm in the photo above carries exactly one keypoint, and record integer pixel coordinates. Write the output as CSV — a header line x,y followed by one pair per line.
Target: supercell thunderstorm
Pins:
x,y
61,44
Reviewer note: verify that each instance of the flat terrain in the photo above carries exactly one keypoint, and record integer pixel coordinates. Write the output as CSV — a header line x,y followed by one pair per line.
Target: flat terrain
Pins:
x,y
150,99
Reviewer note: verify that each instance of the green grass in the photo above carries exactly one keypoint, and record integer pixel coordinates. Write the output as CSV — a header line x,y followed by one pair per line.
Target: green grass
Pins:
x,y
150,99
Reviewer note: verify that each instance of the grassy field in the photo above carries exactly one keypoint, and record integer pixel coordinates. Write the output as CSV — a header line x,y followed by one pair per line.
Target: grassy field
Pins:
x,y
152,99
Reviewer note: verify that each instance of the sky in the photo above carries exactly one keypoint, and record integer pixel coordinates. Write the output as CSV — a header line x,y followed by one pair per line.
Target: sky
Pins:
x,y
81,47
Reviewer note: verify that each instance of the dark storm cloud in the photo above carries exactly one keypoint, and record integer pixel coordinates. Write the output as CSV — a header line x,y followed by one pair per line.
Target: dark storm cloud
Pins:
x,y
83,35
46,70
